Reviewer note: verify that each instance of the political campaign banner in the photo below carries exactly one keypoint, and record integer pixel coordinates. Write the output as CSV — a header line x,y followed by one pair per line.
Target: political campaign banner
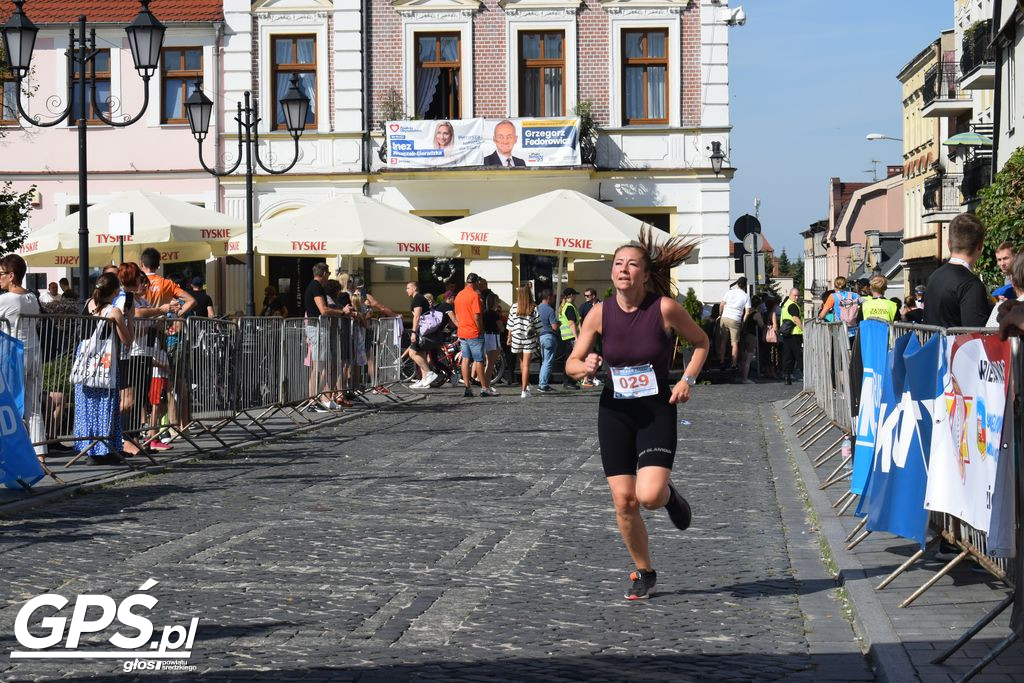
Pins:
x,y
19,466
434,144
966,440
874,345
894,496
501,143
12,366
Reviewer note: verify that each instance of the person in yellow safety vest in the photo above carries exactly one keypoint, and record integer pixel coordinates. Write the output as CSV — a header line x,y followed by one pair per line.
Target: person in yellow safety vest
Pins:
x,y
791,327
569,328
876,306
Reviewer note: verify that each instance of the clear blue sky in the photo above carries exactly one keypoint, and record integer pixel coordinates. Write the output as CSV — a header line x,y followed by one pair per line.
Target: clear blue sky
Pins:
x,y
809,79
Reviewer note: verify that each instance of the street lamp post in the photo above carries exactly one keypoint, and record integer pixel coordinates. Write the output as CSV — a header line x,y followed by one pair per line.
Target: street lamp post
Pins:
x,y
199,110
717,156
879,136
145,37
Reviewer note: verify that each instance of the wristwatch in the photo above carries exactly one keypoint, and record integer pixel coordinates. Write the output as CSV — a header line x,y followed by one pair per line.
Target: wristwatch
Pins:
x,y
689,380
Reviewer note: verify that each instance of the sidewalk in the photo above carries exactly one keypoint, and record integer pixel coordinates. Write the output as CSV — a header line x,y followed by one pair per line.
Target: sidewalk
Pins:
x,y
902,642
82,476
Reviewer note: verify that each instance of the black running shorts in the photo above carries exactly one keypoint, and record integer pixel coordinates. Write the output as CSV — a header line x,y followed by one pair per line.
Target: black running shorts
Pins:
x,y
636,432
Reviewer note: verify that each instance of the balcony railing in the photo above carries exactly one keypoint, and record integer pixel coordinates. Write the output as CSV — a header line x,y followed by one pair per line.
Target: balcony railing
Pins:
x,y
940,82
977,48
942,193
977,176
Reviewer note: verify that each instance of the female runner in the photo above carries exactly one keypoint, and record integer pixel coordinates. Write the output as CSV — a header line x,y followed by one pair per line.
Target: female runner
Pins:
x,y
636,421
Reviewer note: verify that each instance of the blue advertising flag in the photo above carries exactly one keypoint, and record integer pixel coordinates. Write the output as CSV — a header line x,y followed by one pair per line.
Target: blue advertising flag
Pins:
x,y
911,387
874,342
19,467
12,366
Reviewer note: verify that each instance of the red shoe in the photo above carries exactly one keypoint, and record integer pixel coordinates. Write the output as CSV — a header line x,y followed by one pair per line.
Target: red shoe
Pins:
x,y
160,446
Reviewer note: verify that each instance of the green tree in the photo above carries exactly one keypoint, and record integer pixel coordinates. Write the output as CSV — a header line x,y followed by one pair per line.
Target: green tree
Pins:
x,y
14,210
1002,212
797,271
784,263
692,304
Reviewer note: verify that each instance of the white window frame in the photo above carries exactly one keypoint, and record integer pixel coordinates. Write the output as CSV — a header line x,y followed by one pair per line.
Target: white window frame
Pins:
x,y
1011,85
422,22
105,39
541,21
656,19
282,28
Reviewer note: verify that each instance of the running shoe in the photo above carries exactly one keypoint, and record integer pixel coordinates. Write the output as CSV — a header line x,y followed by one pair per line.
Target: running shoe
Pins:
x,y
571,387
468,393
643,584
431,376
524,394
159,446
546,390
489,391
678,509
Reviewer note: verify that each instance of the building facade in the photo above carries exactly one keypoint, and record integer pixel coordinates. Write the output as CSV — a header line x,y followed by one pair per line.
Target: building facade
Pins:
x,y
154,154
482,63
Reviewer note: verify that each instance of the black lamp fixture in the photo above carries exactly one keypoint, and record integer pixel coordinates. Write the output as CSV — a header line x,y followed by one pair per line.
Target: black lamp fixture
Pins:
x,y
145,38
19,40
199,111
717,157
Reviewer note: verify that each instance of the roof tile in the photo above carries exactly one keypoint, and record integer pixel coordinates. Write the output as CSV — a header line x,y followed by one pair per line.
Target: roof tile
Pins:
x,y
116,11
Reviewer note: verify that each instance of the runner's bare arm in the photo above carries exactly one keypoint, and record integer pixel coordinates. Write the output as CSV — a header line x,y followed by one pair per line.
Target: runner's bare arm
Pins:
x,y
581,362
680,321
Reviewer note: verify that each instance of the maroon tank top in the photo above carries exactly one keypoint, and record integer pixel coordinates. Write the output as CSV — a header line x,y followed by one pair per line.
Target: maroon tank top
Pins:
x,y
636,338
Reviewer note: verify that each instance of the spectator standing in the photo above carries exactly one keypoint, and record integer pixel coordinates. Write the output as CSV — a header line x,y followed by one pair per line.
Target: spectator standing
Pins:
x,y
919,293
50,295
735,309
469,313
316,304
524,334
65,290
826,313
876,306
770,352
792,331
97,410
493,328
163,291
273,304
749,333
1005,253
15,302
569,329
589,300
841,301
911,313
417,350
1016,281
548,340
956,296
204,304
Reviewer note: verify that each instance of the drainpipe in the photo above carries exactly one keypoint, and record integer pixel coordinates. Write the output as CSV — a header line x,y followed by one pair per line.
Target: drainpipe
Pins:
x,y
218,84
997,91
364,15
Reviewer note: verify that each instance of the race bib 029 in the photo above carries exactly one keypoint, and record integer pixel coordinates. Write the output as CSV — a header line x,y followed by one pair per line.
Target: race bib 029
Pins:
x,y
635,381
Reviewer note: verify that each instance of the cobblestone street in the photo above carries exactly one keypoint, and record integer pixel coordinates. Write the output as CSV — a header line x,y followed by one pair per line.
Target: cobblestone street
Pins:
x,y
450,539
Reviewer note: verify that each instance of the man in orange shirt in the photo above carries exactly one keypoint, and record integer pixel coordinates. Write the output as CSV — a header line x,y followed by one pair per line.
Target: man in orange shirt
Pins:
x,y
163,293
469,314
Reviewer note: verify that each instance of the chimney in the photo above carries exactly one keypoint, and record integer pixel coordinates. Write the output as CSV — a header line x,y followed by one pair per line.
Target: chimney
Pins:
x,y
891,171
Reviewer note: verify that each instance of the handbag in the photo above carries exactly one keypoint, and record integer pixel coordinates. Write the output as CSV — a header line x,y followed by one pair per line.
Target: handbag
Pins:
x,y
96,359
771,336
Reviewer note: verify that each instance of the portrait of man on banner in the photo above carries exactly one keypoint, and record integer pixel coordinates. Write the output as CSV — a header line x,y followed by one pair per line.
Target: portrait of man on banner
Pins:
x,y
505,137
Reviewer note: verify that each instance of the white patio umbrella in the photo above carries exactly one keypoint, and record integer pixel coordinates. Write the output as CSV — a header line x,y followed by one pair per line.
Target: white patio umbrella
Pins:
x,y
561,222
181,231
348,225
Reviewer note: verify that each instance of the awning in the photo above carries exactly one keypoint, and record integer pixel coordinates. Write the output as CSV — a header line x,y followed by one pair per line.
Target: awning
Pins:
x,y
181,231
348,225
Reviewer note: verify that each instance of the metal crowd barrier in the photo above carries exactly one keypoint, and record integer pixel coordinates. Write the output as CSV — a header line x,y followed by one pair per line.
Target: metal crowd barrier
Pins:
x,y
820,386
182,378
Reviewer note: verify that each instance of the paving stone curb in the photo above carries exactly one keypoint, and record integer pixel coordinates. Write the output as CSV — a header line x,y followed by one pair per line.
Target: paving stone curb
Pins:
x,y
68,490
883,646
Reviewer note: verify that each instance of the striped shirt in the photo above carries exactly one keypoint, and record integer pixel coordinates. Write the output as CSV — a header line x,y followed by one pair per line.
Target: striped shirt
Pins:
x,y
524,330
